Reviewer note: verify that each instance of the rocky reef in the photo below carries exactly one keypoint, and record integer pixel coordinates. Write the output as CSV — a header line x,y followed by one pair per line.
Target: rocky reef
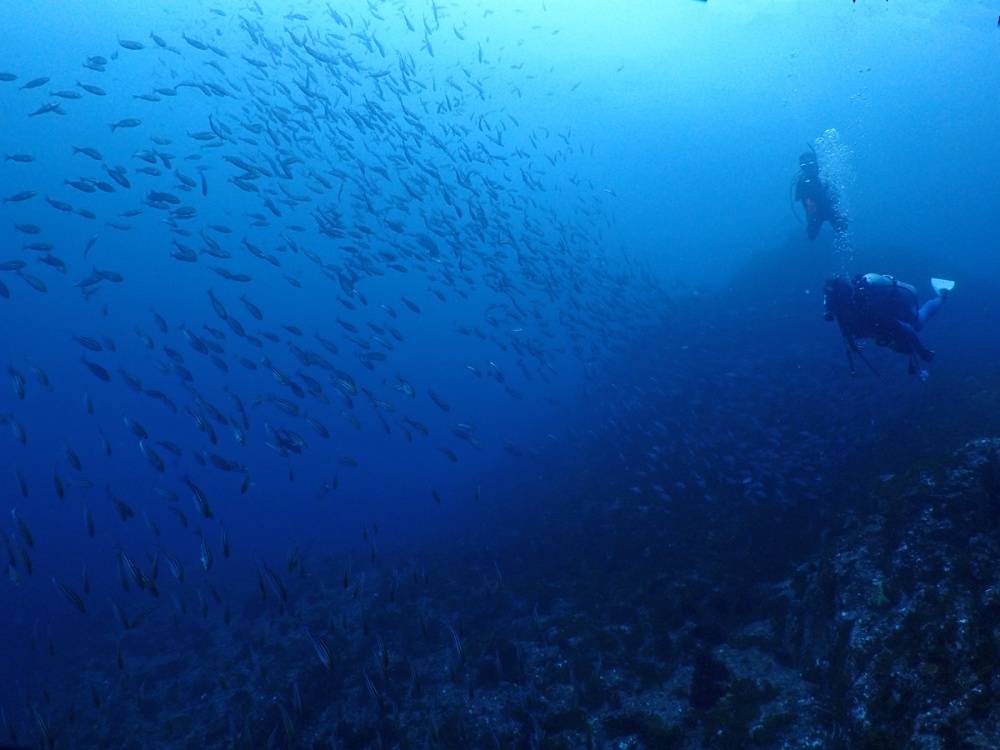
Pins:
x,y
887,638
898,620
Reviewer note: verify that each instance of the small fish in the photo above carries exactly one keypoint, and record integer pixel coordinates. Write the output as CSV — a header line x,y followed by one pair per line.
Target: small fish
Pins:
x,y
322,649
120,615
33,281
24,195
93,153
18,429
90,89
118,175
176,569
17,380
123,509
88,343
113,276
288,407
48,741
98,371
128,122
403,387
129,565
152,456
71,596
22,527
200,501
180,515
82,185
139,618
23,484
60,205
73,458
275,582
437,399
134,427
34,83
197,44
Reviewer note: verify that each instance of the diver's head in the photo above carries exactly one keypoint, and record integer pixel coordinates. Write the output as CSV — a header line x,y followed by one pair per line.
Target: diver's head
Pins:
x,y
807,163
836,297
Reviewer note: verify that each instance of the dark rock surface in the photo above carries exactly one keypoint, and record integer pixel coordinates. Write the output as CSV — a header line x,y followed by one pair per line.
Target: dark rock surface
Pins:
x,y
887,637
897,622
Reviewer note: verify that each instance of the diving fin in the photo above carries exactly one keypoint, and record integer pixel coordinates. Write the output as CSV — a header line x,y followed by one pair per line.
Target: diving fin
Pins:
x,y
942,285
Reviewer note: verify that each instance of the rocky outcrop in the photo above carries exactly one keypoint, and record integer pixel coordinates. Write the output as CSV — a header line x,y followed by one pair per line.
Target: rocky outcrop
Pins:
x,y
898,622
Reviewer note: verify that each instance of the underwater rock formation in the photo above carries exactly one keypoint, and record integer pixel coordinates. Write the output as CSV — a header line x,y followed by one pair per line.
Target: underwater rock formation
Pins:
x,y
899,620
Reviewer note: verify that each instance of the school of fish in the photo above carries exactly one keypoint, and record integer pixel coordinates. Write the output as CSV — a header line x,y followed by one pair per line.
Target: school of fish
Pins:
x,y
247,238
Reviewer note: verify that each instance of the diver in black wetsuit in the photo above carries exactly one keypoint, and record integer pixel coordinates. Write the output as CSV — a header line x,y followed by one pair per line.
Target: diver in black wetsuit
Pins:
x,y
879,307
816,198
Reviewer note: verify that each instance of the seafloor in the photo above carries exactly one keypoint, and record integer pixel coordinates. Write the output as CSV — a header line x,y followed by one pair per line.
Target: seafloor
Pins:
x,y
885,636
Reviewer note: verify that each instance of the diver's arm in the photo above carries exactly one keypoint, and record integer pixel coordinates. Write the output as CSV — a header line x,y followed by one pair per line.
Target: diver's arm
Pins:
x,y
849,337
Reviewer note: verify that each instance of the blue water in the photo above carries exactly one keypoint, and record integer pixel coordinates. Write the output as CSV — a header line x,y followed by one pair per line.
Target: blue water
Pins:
x,y
569,194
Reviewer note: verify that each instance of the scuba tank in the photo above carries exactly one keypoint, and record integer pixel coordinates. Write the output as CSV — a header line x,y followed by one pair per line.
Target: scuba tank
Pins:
x,y
884,294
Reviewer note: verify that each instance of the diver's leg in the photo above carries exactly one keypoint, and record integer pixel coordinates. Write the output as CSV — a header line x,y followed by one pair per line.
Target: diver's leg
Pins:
x,y
927,311
908,335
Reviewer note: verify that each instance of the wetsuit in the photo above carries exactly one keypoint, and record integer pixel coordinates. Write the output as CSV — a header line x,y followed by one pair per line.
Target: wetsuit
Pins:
x,y
818,204
885,310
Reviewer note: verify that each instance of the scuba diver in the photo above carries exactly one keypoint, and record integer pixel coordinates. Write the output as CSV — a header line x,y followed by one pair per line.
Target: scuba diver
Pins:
x,y
879,307
819,204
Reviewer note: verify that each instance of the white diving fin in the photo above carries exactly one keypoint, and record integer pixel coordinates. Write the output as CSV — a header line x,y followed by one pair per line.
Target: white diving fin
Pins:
x,y
942,285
